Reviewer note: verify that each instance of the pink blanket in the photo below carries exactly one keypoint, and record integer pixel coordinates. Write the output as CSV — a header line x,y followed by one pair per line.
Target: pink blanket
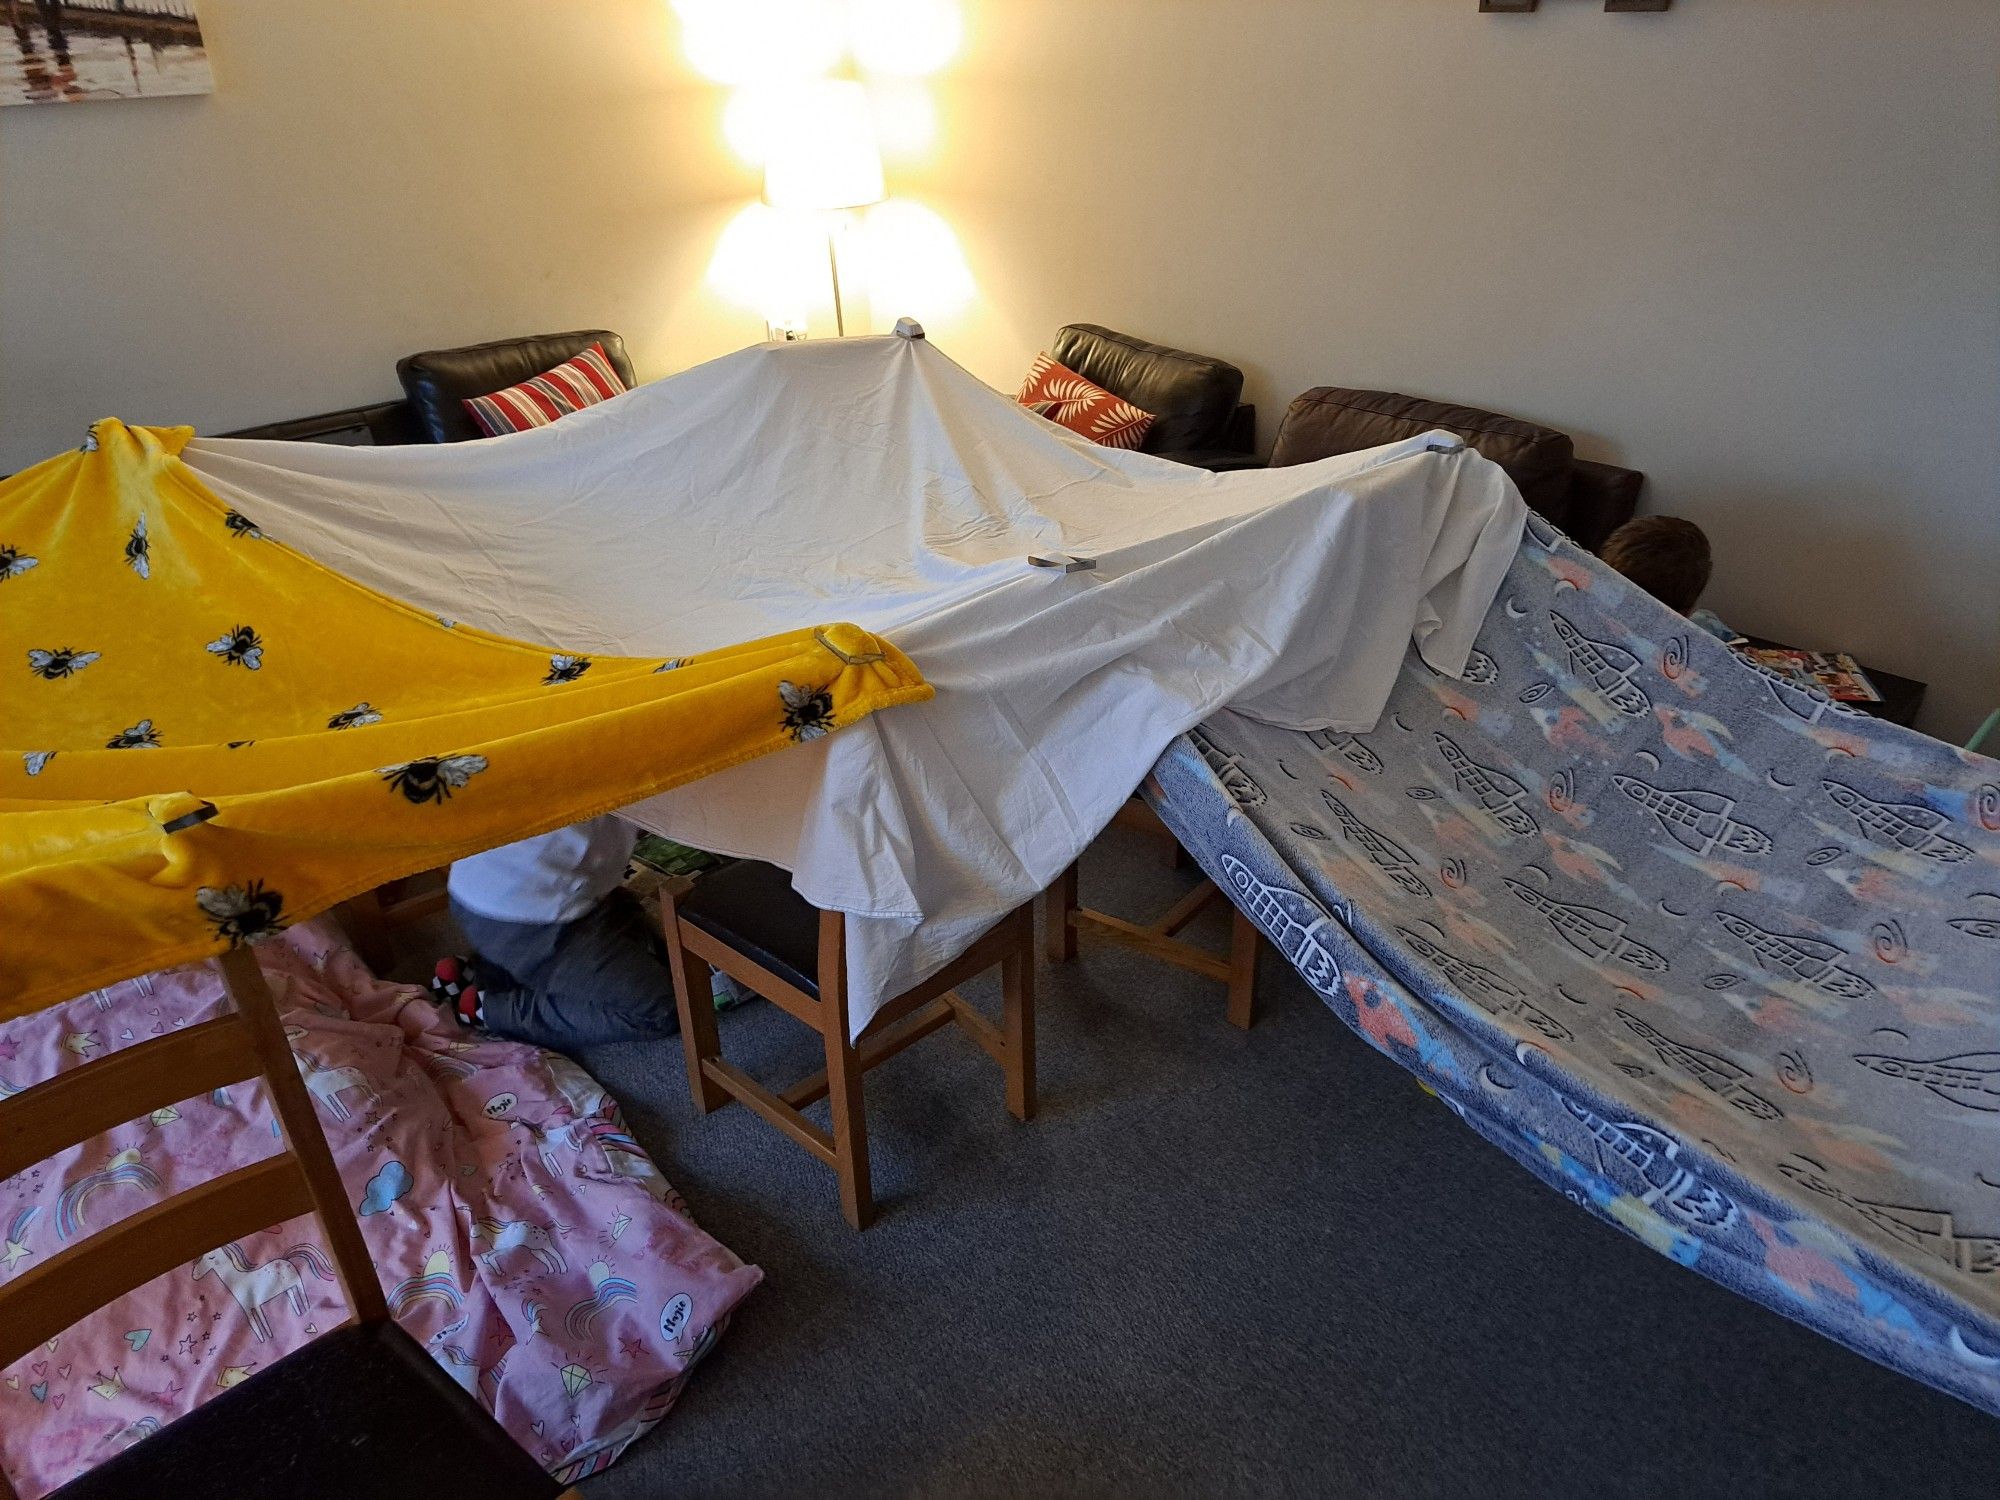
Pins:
x,y
521,1234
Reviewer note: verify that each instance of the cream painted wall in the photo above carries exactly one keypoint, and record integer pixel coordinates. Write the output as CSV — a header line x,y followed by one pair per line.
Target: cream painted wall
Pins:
x,y
1749,246
370,178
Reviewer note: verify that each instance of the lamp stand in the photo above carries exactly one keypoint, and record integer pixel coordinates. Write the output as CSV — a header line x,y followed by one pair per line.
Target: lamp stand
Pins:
x,y
833,265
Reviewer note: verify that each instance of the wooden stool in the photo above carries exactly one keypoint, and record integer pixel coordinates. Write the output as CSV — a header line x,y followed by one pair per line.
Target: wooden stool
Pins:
x,y
1063,919
747,921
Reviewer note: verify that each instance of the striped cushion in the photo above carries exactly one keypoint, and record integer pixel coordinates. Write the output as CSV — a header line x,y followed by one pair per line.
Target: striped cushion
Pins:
x,y
572,385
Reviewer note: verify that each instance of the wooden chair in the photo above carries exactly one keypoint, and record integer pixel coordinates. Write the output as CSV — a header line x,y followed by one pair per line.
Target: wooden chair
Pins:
x,y
372,918
361,1410
747,921
1063,918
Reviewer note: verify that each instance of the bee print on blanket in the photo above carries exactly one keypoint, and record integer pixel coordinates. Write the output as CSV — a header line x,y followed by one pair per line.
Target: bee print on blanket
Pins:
x,y
34,760
433,778
139,550
564,668
240,646
65,661
14,562
808,711
358,717
242,527
242,913
141,736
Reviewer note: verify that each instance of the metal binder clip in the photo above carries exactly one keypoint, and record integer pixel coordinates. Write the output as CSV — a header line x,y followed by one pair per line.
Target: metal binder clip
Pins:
x,y
1062,562
909,328
1450,445
189,819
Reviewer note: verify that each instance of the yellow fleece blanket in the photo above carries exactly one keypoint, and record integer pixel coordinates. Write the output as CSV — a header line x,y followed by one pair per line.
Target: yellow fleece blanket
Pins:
x,y
205,735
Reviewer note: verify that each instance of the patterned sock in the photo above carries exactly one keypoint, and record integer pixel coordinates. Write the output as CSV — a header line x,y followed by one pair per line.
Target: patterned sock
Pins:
x,y
455,985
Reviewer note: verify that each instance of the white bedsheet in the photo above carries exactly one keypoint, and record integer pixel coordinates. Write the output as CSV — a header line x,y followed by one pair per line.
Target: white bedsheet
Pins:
x,y
874,480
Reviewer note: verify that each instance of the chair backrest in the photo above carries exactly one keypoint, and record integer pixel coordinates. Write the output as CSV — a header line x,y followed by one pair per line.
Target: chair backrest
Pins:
x,y
77,1104
438,381
1192,397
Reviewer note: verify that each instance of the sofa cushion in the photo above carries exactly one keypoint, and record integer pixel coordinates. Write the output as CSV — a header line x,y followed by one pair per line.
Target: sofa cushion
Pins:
x,y
1332,419
438,381
1066,398
1191,397
581,381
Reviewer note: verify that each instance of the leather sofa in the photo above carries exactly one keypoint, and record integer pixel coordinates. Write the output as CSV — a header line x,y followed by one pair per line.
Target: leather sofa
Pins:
x,y
1198,418
435,382
1201,420
1588,500
439,381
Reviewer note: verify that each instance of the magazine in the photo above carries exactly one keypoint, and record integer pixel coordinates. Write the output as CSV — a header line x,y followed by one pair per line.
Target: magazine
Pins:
x,y
1834,673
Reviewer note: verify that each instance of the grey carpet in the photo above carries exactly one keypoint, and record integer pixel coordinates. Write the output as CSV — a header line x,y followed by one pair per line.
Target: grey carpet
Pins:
x,y
1218,1264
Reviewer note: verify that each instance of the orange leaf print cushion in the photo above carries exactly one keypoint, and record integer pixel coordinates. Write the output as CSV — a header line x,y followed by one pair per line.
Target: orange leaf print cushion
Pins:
x,y
1060,394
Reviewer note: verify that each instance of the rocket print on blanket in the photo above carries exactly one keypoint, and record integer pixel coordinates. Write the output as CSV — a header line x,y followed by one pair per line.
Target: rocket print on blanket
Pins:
x,y
1696,819
1594,933
1714,957
1499,796
1611,671
1290,921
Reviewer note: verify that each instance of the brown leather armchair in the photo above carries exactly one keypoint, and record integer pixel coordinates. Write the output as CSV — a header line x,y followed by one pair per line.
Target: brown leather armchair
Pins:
x,y
1588,500
1198,418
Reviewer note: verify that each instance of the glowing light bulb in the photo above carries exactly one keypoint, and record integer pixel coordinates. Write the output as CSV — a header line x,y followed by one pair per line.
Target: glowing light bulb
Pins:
x,y
738,41
910,38
915,263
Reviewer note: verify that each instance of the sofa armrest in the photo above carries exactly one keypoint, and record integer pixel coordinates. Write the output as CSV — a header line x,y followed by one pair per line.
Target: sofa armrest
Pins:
x,y
383,424
1218,460
1241,433
1602,498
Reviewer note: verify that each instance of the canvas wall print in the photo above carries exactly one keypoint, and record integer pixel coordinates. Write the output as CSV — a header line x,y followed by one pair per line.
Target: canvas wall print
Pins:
x,y
70,51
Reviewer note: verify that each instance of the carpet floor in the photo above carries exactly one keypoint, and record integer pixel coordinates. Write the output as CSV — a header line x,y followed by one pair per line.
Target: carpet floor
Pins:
x,y
1217,1263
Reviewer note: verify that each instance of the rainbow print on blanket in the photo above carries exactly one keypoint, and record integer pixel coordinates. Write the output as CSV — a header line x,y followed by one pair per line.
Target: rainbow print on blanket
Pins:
x,y
1710,954
521,1234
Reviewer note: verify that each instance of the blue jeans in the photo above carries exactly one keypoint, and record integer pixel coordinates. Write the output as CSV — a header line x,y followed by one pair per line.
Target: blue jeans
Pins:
x,y
601,978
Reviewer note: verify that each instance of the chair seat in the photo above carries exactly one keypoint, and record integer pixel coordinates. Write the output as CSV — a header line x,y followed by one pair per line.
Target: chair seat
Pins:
x,y
752,907
362,1411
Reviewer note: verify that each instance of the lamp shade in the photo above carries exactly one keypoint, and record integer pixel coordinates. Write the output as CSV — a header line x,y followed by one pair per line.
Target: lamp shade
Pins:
x,y
822,153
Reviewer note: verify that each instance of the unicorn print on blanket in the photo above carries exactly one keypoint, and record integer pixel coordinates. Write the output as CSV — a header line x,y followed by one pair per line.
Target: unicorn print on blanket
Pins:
x,y
500,1236
328,1084
255,1286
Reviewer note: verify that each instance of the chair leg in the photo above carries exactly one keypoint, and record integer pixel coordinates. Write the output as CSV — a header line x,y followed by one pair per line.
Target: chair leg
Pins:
x,y
1246,945
1017,992
843,1076
1058,935
694,997
366,923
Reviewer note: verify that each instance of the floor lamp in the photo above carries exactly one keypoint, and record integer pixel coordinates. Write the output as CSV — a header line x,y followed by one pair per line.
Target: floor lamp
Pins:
x,y
825,159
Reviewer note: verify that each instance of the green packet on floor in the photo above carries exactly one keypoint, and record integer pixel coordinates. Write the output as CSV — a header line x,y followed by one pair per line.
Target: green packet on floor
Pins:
x,y
670,858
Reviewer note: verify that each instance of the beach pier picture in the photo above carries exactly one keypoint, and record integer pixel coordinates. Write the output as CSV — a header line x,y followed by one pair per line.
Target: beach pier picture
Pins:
x,y
72,51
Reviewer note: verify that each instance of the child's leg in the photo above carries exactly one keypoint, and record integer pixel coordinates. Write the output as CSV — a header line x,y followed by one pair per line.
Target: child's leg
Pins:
x,y
604,979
